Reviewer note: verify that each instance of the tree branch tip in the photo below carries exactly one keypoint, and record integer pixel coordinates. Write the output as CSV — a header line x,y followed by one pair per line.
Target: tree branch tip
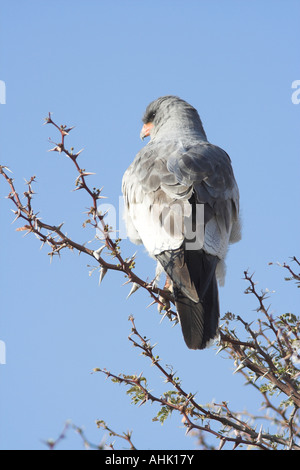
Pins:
x,y
5,168
47,119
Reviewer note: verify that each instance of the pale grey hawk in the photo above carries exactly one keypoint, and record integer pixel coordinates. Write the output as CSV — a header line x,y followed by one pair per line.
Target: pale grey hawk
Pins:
x,y
174,175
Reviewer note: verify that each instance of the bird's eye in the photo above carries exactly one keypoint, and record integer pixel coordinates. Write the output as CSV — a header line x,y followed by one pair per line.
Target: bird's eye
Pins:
x,y
151,117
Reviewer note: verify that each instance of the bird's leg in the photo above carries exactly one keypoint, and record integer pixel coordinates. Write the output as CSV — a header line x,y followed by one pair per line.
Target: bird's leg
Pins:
x,y
167,287
164,303
158,272
168,284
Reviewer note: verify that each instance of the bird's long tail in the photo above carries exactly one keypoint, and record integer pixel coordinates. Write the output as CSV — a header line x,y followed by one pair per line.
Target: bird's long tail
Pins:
x,y
195,292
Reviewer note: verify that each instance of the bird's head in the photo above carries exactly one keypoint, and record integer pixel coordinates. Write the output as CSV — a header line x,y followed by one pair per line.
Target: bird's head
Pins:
x,y
169,115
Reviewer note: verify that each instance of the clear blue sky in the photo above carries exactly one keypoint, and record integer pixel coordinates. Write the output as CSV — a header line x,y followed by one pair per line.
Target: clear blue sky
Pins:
x,y
96,65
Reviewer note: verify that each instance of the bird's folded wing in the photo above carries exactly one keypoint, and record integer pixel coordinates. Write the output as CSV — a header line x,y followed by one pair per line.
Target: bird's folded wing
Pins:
x,y
158,187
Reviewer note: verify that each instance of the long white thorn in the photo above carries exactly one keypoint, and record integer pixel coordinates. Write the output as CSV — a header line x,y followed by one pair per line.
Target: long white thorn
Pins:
x,y
103,271
97,253
134,288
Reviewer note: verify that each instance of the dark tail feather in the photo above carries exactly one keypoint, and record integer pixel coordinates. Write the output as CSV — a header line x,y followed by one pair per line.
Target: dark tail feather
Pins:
x,y
193,275
199,321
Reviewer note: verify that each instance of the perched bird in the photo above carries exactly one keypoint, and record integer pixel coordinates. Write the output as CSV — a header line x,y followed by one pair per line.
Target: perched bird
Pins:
x,y
182,203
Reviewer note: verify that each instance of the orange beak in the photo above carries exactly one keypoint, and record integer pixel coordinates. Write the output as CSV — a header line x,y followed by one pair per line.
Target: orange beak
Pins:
x,y
145,132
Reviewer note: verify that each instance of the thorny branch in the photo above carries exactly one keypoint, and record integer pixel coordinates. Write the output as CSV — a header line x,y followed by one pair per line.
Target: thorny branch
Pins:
x,y
233,428
54,236
267,351
52,444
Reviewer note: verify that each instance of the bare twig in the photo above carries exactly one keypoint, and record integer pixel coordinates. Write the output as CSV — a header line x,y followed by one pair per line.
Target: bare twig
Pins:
x,y
53,235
